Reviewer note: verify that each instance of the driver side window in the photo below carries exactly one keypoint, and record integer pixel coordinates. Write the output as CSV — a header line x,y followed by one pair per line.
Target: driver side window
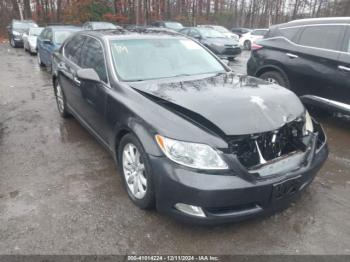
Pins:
x,y
92,56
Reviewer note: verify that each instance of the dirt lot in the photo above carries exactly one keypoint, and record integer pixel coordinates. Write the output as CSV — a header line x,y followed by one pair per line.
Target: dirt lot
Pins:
x,y
60,192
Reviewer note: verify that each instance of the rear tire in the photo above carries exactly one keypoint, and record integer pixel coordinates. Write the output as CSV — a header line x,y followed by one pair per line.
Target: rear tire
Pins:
x,y
275,77
61,100
40,63
13,43
138,184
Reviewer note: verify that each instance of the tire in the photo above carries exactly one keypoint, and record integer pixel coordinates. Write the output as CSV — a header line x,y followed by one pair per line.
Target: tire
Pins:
x,y
275,78
247,45
144,198
40,63
13,43
61,100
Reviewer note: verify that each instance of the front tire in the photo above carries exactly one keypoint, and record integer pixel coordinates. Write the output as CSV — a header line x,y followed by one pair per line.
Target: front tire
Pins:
x,y
247,45
135,170
40,63
13,43
61,100
275,77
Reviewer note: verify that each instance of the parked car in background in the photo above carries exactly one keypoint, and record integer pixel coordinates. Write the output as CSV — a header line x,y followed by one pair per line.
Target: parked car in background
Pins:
x,y
222,30
251,37
190,137
135,27
30,39
176,26
240,31
218,43
16,29
99,25
310,57
50,39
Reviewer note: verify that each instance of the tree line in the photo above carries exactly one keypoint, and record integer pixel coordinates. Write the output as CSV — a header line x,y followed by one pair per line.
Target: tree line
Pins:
x,y
230,13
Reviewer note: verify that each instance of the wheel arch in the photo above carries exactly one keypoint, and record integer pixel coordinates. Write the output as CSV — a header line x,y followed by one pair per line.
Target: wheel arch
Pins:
x,y
275,68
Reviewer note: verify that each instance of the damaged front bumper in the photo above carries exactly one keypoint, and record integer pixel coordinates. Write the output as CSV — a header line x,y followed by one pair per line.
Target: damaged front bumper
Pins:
x,y
238,193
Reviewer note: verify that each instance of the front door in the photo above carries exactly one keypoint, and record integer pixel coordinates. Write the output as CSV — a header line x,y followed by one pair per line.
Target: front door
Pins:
x,y
316,60
342,94
93,95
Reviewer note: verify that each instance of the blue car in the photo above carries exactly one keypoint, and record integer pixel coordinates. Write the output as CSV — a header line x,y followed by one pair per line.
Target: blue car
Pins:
x,y
50,39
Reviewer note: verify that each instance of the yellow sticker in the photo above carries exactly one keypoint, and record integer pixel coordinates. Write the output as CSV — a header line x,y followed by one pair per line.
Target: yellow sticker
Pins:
x,y
121,49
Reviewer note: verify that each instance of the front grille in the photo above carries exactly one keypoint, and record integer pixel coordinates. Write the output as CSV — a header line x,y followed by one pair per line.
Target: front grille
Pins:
x,y
257,149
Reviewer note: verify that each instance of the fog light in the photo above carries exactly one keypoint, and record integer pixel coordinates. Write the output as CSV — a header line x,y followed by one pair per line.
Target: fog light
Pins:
x,y
190,210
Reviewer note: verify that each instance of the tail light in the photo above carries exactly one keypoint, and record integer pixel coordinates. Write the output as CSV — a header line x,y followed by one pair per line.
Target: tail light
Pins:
x,y
255,47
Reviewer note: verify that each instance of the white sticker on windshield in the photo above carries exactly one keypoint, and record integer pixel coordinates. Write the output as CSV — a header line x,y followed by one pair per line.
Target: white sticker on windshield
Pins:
x,y
189,44
121,49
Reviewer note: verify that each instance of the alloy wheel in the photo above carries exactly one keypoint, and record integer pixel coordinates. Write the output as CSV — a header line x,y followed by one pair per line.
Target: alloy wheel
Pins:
x,y
39,59
134,171
59,98
271,80
12,42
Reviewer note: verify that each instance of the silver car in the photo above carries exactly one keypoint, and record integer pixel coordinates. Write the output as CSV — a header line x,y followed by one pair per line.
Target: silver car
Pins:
x,y
29,39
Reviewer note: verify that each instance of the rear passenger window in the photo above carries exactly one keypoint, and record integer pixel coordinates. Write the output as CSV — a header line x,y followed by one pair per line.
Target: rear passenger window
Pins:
x,y
72,49
92,57
327,37
290,32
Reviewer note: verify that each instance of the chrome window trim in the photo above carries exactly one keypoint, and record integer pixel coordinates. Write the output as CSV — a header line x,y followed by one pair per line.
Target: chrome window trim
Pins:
x,y
312,47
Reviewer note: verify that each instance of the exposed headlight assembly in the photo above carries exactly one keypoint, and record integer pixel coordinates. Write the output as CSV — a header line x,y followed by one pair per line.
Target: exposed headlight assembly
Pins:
x,y
308,126
16,33
193,155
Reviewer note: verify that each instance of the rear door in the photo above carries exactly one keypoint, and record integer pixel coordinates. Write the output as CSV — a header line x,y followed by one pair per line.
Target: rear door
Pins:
x,y
343,87
40,41
46,47
69,65
314,63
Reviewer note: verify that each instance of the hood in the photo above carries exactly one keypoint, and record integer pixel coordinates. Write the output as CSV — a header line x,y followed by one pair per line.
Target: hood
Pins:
x,y
227,104
220,41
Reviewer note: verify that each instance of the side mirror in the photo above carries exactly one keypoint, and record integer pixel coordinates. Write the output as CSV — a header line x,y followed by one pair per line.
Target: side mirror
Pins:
x,y
88,74
47,41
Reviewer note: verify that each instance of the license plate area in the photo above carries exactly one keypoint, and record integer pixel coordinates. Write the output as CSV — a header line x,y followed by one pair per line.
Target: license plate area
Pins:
x,y
286,188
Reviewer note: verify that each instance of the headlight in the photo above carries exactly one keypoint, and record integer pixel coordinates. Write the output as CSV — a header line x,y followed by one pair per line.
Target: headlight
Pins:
x,y
308,126
193,155
16,33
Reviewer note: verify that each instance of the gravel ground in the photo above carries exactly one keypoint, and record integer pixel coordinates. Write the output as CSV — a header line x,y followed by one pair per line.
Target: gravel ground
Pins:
x,y
60,192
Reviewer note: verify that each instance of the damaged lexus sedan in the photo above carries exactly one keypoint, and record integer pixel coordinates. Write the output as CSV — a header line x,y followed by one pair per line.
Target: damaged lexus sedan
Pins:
x,y
190,137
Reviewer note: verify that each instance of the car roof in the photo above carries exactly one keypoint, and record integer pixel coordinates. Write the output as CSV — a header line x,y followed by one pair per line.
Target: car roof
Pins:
x,y
311,21
64,27
138,33
24,21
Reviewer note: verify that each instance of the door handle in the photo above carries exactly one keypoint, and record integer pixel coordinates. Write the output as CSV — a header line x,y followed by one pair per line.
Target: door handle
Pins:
x,y
344,68
76,80
291,55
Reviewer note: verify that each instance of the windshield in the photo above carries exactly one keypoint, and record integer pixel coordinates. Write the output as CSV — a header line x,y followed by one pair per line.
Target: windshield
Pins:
x,y
210,33
60,36
35,31
145,59
173,25
221,29
103,25
22,25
